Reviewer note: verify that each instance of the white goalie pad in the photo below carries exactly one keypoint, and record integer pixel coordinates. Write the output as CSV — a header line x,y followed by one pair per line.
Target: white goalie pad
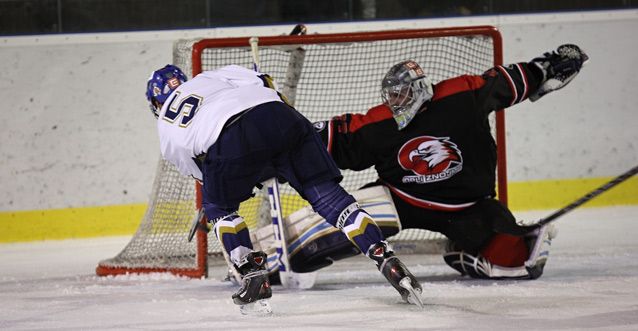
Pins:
x,y
540,250
480,267
304,226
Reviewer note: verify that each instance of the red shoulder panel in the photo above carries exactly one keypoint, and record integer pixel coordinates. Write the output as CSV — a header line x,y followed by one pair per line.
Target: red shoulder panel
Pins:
x,y
375,114
456,85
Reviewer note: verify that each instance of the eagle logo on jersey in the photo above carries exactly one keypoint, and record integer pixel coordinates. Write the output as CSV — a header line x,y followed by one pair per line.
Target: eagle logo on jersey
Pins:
x,y
431,159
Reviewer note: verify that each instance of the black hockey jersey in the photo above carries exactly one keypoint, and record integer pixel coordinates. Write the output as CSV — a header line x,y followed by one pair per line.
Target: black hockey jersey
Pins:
x,y
445,159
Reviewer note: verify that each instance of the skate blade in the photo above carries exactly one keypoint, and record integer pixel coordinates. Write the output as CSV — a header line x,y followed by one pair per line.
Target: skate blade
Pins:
x,y
259,307
414,296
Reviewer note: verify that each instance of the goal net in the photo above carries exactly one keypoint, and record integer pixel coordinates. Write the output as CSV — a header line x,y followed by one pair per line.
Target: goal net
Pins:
x,y
323,75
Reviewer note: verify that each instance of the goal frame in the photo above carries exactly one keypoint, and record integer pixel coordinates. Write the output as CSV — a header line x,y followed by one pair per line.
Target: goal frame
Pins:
x,y
198,47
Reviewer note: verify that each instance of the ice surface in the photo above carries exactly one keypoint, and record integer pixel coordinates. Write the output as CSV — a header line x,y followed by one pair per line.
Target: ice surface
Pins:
x,y
590,283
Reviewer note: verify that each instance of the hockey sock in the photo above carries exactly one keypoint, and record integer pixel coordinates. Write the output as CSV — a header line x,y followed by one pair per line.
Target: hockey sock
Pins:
x,y
359,227
232,232
341,210
230,229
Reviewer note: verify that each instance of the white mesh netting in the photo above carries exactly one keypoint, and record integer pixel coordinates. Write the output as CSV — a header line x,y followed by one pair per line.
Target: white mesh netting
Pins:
x,y
323,80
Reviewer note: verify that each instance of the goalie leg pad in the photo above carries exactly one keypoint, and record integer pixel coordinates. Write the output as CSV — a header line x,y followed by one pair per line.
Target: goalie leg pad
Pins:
x,y
322,251
506,250
501,258
314,244
540,243
313,252
480,267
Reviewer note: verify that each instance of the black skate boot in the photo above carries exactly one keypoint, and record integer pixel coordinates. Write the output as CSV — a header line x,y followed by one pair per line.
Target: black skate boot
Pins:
x,y
255,287
396,273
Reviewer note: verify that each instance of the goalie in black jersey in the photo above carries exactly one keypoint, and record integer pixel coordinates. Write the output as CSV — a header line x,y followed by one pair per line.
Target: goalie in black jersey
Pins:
x,y
431,146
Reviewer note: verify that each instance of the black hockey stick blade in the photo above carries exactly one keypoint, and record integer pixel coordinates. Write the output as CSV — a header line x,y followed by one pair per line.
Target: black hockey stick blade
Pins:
x,y
600,190
197,225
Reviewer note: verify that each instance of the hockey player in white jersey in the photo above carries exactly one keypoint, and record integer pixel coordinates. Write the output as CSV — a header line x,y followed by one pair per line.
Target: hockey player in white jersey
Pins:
x,y
230,129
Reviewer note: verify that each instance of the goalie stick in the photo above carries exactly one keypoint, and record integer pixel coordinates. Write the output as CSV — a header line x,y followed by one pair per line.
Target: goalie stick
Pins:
x,y
199,222
287,277
600,190
279,229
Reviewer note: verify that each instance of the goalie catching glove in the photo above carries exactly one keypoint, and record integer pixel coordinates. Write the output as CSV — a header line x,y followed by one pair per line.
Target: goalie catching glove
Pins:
x,y
559,68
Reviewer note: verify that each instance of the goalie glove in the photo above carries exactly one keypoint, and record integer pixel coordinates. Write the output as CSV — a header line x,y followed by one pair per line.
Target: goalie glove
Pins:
x,y
559,68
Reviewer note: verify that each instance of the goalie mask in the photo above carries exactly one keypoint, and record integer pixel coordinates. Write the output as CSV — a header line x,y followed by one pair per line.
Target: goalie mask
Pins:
x,y
161,84
404,89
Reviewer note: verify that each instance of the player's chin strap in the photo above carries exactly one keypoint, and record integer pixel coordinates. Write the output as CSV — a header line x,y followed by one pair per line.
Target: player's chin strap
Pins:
x,y
559,68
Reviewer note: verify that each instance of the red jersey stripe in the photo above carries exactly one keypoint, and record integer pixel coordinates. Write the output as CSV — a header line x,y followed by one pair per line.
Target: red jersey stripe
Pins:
x,y
525,82
425,204
375,114
511,83
457,85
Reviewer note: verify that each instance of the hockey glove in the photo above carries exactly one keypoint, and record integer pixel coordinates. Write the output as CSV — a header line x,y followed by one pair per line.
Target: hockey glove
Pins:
x,y
559,68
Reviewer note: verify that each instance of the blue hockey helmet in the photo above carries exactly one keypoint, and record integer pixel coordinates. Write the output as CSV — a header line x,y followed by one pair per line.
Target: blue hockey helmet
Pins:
x,y
161,84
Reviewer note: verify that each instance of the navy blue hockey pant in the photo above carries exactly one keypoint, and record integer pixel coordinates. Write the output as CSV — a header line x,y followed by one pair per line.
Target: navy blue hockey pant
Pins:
x,y
270,140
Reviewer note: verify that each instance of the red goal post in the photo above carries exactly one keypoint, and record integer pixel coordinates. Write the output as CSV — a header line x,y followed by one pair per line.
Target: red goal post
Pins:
x,y
323,75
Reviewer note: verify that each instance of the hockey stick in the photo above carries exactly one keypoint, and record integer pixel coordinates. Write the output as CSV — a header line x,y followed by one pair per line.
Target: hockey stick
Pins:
x,y
198,223
286,276
279,229
588,196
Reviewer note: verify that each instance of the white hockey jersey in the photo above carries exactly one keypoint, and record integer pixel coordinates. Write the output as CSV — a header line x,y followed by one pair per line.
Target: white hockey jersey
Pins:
x,y
194,115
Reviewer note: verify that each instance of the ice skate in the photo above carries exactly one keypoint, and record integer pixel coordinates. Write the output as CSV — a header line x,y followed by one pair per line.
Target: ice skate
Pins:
x,y
255,288
396,273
